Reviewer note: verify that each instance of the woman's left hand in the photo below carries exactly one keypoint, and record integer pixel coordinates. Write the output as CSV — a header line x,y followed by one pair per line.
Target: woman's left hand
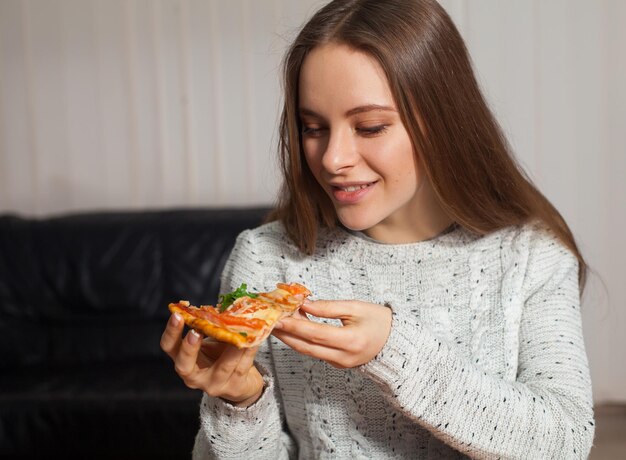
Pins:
x,y
366,327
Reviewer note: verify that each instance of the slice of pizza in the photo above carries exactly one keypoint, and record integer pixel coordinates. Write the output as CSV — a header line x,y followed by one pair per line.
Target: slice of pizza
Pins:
x,y
241,318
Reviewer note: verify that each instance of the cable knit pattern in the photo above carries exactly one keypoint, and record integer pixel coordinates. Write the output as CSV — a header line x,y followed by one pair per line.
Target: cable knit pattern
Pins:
x,y
485,358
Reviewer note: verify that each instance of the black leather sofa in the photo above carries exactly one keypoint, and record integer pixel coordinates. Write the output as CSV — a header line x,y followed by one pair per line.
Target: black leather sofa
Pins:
x,y
83,303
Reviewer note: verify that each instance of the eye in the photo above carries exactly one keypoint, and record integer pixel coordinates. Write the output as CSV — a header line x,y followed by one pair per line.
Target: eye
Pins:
x,y
312,131
372,131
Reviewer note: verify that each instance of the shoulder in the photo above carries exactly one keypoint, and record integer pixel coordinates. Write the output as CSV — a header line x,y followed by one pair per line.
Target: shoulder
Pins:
x,y
255,256
535,254
268,239
532,241
271,239
536,242
267,245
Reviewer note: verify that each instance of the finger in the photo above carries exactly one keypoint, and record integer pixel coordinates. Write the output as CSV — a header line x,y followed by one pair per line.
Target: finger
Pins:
x,y
185,362
212,349
333,356
338,309
321,334
249,381
246,362
226,364
171,338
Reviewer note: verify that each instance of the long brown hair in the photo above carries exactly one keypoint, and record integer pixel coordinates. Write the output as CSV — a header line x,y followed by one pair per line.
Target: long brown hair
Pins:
x,y
462,149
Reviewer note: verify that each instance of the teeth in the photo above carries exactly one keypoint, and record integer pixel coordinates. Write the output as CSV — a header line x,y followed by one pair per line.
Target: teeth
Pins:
x,y
354,188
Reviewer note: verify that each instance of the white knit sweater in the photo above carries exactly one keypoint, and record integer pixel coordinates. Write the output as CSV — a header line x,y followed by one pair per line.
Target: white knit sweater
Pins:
x,y
485,357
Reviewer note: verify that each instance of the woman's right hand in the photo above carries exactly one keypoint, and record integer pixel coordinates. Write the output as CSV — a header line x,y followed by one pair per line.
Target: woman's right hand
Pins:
x,y
219,369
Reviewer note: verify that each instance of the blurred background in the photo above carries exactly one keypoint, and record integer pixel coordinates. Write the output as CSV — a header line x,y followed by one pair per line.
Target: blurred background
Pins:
x,y
150,104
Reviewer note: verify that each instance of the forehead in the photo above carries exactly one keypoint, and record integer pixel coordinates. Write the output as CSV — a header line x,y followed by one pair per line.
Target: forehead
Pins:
x,y
338,76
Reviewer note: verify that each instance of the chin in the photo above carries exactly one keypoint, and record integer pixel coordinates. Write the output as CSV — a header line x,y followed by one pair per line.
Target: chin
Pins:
x,y
357,223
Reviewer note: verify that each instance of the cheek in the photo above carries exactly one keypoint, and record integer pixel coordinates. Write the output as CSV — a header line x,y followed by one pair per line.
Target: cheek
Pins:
x,y
312,157
413,174
400,164
406,180
314,164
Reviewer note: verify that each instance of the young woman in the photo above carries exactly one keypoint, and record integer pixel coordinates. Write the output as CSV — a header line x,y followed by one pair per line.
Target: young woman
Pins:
x,y
448,316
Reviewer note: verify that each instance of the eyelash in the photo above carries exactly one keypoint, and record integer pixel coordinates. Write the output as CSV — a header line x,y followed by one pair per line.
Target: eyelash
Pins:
x,y
372,131
311,132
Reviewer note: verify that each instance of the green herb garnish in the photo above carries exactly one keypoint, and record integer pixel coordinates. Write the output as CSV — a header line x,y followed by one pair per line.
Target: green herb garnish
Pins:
x,y
226,300
244,334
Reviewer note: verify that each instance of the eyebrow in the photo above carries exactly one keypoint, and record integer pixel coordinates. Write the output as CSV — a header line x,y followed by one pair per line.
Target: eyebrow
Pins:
x,y
351,112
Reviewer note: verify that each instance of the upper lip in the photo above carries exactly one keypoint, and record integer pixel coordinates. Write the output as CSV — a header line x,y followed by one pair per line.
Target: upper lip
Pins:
x,y
350,184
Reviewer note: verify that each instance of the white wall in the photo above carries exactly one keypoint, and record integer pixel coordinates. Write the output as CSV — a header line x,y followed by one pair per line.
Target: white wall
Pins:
x,y
158,103
139,103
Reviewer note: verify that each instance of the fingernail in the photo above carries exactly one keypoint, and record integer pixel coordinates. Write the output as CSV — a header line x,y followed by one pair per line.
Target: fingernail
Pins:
x,y
307,302
278,325
193,337
175,319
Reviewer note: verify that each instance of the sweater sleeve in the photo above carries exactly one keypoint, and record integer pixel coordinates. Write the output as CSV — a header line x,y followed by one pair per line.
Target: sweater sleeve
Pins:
x,y
230,432
545,413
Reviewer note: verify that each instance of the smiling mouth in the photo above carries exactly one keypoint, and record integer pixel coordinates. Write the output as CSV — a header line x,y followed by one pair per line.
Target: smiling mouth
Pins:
x,y
351,193
354,188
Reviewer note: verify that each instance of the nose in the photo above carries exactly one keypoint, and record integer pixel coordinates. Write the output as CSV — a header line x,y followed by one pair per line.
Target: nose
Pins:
x,y
340,153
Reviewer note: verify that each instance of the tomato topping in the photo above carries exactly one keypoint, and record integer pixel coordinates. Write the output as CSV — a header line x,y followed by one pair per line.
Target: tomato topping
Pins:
x,y
204,312
223,319
252,323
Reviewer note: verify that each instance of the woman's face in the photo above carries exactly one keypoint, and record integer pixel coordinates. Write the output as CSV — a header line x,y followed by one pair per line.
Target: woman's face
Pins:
x,y
360,152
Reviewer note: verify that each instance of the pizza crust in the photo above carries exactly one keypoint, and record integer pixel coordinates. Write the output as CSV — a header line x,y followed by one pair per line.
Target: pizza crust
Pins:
x,y
209,329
